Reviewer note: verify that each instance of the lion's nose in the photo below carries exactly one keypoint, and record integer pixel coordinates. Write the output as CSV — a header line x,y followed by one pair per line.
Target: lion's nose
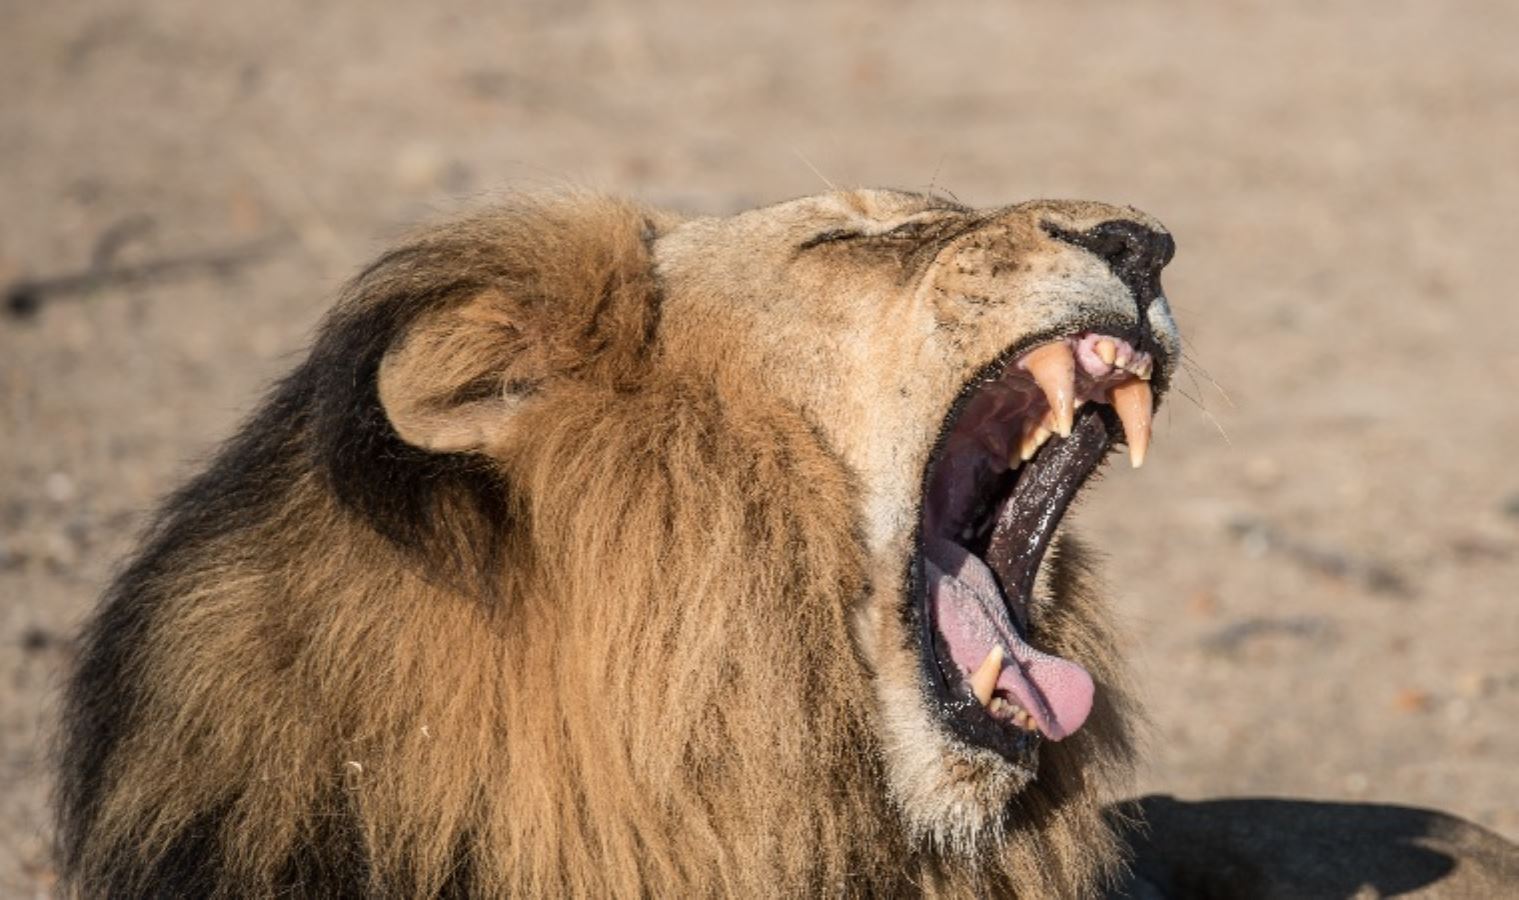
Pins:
x,y
1136,254
1130,247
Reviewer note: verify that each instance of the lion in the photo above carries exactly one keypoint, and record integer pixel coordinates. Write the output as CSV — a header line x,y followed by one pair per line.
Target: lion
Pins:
x,y
595,550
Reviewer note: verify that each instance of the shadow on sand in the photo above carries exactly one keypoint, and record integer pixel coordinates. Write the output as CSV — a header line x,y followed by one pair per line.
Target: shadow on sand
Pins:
x,y
1259,848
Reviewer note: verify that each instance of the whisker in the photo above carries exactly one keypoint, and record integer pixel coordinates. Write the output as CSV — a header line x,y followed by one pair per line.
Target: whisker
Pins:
x,y
1202,403
1193,365
934,190
808,163
1207,414
1220,426
1192,360
1192,397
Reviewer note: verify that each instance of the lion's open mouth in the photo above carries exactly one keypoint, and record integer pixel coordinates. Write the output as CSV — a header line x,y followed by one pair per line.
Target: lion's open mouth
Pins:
x,y
1023,441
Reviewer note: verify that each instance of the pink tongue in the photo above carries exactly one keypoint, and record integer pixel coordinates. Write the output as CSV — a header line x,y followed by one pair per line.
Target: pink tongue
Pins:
x,y
971,617
1065,686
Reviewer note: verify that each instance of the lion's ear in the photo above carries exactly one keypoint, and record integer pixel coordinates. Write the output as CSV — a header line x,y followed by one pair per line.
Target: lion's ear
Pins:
x,y
470,320
457,377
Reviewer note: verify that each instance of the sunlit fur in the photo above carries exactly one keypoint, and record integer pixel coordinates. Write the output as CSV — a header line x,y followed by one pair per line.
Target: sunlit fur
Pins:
x,y
542,577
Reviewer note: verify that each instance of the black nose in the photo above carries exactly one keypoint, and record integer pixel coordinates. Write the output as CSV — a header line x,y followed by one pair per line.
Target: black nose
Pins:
x,y
1136,254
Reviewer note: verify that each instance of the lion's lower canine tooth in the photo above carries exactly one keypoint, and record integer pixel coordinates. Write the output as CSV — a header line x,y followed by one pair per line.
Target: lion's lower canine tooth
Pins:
x,y
985,680
1135,404
1106,351
1054,369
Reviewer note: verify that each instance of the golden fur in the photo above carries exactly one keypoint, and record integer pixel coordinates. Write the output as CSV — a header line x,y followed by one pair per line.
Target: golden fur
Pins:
x,y
667,655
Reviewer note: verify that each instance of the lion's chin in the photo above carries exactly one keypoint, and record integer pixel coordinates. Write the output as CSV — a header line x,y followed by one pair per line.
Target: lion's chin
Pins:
x,y
949,794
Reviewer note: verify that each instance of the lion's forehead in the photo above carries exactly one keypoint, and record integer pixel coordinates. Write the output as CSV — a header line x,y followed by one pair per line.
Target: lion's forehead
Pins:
x,y
877,209
1080,215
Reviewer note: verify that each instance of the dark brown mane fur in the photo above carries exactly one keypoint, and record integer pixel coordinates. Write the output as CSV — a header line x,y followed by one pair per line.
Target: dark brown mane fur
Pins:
x,y
610,658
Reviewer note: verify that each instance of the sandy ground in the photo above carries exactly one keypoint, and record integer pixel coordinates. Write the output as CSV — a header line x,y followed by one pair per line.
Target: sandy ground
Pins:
x,y
1321,604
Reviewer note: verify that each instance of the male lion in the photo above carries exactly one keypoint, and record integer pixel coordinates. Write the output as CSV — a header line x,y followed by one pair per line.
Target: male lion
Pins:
x,y
595,551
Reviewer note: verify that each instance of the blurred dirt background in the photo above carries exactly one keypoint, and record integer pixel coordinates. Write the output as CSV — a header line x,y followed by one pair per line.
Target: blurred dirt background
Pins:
x,y
1321,604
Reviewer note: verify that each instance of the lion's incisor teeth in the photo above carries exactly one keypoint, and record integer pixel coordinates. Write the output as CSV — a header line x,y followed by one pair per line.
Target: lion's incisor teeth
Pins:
x,y
1054,369
984,681
1135,404
1035,437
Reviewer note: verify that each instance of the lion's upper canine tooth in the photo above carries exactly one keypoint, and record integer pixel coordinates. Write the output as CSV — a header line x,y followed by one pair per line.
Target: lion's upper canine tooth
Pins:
x,y
1106,350
1054,369
984,681
1135,404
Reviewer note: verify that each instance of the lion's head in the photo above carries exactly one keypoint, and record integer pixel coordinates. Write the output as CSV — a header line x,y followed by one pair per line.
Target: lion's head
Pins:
x,y
596,550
